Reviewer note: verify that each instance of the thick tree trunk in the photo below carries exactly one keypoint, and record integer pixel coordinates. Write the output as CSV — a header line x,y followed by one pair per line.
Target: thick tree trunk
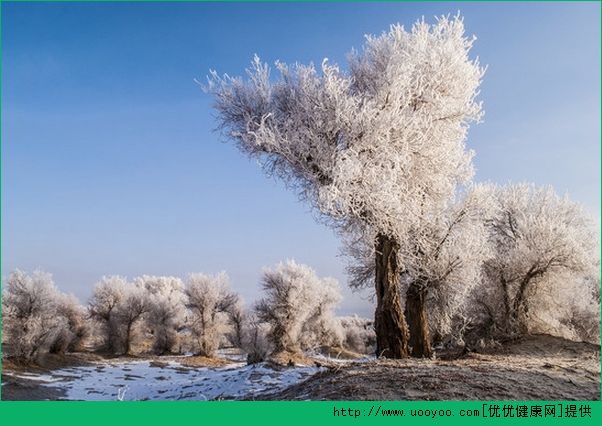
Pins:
x,y
389,322
420,340
519,311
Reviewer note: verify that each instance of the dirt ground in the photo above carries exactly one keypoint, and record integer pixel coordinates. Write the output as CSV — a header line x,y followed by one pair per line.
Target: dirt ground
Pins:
x,y
535,368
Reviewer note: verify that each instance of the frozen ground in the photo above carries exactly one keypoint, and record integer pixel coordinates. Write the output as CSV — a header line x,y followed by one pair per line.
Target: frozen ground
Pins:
x,y
148,380
534,368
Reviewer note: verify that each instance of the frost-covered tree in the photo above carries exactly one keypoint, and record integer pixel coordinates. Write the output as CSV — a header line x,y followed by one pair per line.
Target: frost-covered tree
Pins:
x,y
255,341
106,297
75,330
166,309
358,334
440,264
298,306
208,299
382,141
539,238
119,307
443,264
28,320
237,318
129,314
34,316
322,328
568,307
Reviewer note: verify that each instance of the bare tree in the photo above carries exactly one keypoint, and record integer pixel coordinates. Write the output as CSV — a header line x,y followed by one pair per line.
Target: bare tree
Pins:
x,y
538,238
366,147
208,299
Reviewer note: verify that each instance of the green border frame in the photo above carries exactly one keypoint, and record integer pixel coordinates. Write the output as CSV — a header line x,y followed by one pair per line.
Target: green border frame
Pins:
x,y
103,413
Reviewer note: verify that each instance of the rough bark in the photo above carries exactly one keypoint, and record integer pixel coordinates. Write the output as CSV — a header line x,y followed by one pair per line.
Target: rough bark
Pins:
x,y
519,311
420,341
389,322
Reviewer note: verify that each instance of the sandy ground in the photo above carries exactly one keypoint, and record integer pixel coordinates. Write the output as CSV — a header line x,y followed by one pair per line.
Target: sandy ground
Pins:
x,y
535,368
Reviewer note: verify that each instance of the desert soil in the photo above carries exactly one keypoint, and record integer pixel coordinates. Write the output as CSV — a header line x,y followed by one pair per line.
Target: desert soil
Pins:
x,y
534,368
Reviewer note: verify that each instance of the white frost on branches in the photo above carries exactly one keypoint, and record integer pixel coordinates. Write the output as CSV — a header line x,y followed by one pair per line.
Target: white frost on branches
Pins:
x,y
118,306
299,307
37,318
540,239
208,299
372,145
166,309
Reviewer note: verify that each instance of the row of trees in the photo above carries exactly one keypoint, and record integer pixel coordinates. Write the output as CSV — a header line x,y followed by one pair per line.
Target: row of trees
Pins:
x,y
496,263
378,150
169,315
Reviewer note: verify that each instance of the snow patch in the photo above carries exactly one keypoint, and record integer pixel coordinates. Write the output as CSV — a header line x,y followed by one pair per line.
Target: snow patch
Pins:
x,y
139,380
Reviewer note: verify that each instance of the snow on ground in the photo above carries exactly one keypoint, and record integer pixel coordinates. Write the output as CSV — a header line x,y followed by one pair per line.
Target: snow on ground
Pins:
x,y
144,380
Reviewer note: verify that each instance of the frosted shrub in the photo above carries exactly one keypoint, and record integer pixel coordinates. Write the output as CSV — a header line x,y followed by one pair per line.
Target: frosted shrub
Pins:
x,y
542,243
76,328
358,334
208,299
165,310
559,310
118,307
106,296
298,306
129,315
36,317
237,317
255,341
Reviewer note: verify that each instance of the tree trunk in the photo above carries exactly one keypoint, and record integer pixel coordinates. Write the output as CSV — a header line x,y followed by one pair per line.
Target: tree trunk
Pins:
x,y
519,311
508,324
420,340
389,322
126,343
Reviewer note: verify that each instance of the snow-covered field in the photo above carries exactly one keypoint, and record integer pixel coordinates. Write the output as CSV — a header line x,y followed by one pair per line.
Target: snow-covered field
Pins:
x,y
145,380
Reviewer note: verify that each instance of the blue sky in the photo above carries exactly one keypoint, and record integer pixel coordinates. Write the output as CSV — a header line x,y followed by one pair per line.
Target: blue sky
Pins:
x,y
110,164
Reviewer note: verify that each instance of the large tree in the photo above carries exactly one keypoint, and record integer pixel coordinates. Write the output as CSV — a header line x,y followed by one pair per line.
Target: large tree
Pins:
x,y
440,264
380,141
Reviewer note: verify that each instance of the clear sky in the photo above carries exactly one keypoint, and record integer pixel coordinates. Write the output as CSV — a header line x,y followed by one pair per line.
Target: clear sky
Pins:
x,y
110,164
